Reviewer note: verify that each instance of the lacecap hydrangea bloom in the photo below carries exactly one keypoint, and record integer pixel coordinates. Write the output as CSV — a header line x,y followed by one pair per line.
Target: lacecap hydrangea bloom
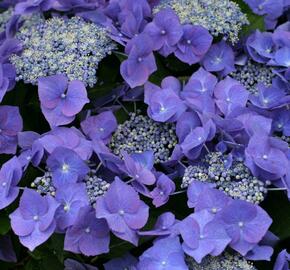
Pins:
x,y
219,17
177,158
58,45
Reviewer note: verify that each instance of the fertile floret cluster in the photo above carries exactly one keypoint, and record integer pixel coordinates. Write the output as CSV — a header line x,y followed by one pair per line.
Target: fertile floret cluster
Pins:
x,y
95,186
222,17
4,17
235,180
43,184
140,133
226,261
61,46
252,73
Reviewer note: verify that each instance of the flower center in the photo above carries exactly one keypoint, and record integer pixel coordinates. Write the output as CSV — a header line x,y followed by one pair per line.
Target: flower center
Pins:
x,y
121,212
35,218
241,224
188,41
65,167
140,59
265,157
63,95
279,125
163,32
162,109
88,230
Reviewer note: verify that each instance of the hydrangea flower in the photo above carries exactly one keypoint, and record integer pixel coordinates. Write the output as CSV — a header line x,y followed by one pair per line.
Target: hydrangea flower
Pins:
x,y
7,79
245,226
100,127
164,105
266,157
61,100
166,224
195,189
10,125
71,200
260,46
164,188
165,31
9,47
123,210
214,201
230,94
193,45
270,97
88,235
140,63
165,254
202,236
281,122
30,6
219,58
10,175
68,46
186,123
70,138
196,139
200,82
33,221
220,18
138,166
272,8
66,167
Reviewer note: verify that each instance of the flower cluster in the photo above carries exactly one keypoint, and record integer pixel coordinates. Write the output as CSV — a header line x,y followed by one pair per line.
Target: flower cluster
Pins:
x,y
178,156
234,179
251,74
140,133
71,47
219,17
225,261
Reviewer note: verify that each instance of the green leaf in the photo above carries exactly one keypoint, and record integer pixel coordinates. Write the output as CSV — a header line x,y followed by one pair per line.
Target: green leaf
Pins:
x,y
121,56
4,223
255,21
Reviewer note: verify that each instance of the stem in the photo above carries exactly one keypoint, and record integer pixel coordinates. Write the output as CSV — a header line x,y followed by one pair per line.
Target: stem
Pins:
x,y
182,164
135,107
206,148
178,192
123,107
233,143
99,166
130,181
40,169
